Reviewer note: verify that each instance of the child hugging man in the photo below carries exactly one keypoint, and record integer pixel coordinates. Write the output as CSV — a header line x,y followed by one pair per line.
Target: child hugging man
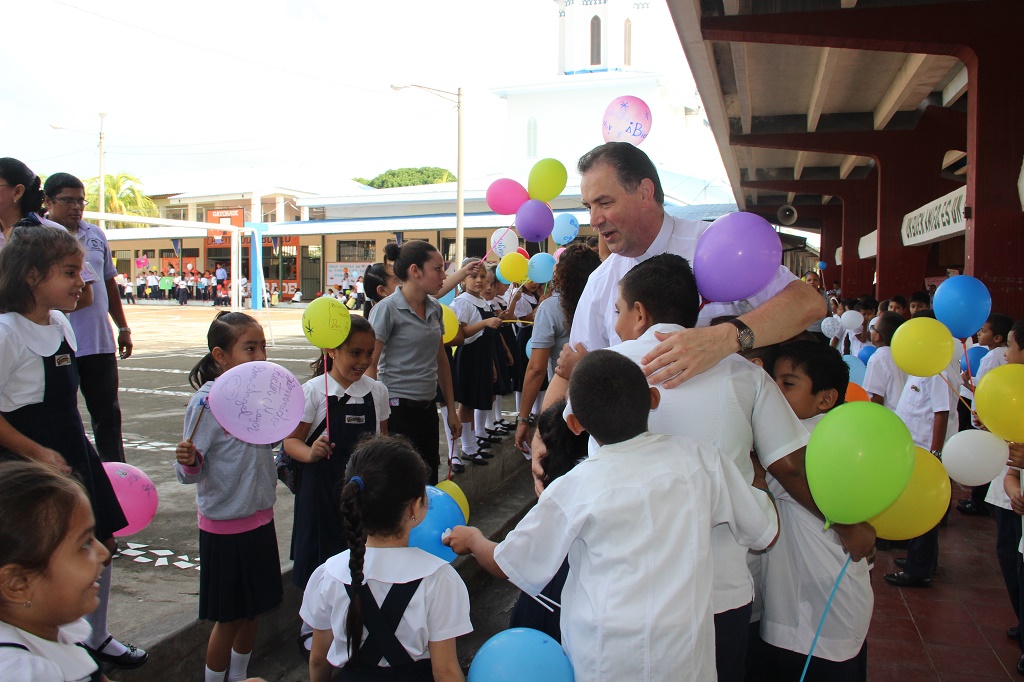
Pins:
x,y
635,520
798,572
883,380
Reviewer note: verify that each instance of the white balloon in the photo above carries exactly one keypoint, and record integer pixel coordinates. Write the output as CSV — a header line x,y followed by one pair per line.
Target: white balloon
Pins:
x,y
852,320
831,327
975,457
504,241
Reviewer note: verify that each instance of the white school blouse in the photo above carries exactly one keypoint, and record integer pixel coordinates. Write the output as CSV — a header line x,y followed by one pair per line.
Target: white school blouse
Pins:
x,y
46,661
635,520
467,308
23,345
439,609
315,392
798,574
884,378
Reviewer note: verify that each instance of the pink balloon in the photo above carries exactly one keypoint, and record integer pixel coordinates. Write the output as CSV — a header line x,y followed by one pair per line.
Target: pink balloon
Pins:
x,y
736,257
257,402
136,494
627,119
505,196
534,221
558,253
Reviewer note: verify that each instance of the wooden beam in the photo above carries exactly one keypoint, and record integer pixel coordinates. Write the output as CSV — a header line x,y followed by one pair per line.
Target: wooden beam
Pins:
x,y
825,198
951,157
848,4
798,165
848,164
739,67
790,196
822,80
901,86
956,88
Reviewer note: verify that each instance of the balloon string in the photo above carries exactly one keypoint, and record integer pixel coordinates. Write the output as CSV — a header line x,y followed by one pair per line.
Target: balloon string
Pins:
x,y
942,375
515,321
490,250
451,456
327,405
821,623
967,359
202,411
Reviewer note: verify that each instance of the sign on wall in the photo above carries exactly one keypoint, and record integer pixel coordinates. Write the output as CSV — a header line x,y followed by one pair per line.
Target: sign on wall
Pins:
x,y
935,221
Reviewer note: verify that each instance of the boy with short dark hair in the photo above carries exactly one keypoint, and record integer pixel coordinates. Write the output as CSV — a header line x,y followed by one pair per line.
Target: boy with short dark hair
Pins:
x,y
635,519
919,300
899,305
883,380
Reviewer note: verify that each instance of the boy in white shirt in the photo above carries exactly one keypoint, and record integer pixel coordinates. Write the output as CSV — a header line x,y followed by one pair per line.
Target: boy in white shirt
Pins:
x,y
883,380
635,520
928,408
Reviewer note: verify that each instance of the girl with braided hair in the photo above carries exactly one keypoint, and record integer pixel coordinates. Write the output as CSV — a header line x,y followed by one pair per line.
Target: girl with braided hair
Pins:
x,y
382,610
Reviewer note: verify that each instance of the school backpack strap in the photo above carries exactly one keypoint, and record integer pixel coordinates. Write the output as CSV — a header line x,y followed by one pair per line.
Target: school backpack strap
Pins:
x,y
289,471
382,622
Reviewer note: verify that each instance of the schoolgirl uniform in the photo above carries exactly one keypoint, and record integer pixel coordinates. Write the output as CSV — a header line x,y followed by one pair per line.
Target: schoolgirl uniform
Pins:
x,y
38,390
526,304
25,657
318,532
240,574
474,359
419,599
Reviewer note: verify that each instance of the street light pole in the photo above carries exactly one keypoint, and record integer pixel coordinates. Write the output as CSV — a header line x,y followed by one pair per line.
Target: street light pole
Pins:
x,y
460,231
103,179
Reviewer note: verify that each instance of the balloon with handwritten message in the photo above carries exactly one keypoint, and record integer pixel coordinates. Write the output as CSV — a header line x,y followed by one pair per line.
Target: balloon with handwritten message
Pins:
x,y
627,119
257,402
326,322
136,494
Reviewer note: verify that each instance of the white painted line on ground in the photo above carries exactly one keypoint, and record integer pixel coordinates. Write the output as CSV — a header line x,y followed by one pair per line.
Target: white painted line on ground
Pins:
x,y
122,368
152,391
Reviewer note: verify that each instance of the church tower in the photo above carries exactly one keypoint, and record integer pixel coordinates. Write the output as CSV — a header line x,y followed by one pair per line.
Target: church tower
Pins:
x,y
603,35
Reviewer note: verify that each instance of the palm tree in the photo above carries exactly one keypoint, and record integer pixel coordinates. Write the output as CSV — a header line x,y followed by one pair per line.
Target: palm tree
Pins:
x,y
123,195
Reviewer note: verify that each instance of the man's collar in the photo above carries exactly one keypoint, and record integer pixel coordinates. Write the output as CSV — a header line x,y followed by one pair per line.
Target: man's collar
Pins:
x,y
660,243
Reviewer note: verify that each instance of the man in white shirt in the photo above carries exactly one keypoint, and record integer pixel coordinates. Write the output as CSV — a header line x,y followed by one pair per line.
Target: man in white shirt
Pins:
x,y
621,189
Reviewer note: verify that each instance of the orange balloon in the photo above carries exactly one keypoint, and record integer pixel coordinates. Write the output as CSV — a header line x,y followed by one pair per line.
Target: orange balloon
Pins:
x,y
855,393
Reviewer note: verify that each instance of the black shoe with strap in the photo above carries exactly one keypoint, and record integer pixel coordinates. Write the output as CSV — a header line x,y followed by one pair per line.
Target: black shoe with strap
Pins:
x,y
129,660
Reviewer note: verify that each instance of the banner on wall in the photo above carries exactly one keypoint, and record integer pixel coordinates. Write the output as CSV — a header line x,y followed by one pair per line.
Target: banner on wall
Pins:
x,y
340,274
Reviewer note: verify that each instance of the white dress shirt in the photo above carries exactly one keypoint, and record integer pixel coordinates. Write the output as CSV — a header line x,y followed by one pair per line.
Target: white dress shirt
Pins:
x,y
922,397
635,521
884,378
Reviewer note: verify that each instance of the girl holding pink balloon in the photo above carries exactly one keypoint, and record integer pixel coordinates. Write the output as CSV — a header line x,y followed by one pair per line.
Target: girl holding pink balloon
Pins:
x,y
240,573
40,275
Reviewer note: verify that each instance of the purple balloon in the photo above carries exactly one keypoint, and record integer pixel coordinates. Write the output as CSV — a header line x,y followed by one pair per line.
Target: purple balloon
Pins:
x,y
534,221
736,257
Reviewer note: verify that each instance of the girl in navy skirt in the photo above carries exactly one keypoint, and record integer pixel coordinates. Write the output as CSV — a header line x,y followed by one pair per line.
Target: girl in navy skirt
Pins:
x,y
240,571
383,610
475,371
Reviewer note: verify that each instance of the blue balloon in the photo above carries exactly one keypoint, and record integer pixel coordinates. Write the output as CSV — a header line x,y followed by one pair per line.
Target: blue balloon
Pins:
x,y
541,268
865,354
443,513
447,298
521,654
497,273
962,303
529,349
973,356
822,265
566,228
857,369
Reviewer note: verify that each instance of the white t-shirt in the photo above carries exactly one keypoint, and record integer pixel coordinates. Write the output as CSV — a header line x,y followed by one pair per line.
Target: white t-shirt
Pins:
x,y
360,289
922,397
297,296
526,304
594,322
467,307
24,345
439,609
735,407
46,661
635,521
315,393
884,378
798,573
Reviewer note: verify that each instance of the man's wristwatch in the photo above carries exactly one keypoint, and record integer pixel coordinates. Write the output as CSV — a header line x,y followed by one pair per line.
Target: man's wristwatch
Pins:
x,y
744,334
124,330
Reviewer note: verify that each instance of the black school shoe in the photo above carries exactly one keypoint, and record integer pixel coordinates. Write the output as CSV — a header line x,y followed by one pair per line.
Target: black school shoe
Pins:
x,y
487,440
901,579
479,458
972,508
129,660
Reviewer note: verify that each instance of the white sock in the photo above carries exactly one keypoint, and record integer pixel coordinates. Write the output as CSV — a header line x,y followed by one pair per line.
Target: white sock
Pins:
x,y
469,446
238,670
497,409
481,421
447,430
98,619
211,676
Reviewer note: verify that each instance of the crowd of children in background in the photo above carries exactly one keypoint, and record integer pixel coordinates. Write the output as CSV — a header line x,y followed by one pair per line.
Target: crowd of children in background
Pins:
x,y
707,560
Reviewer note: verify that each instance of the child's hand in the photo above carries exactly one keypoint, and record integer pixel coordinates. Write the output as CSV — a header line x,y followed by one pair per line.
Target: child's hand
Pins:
x,y
461,538
492,322
1016,502
1016,455
320,449
186,454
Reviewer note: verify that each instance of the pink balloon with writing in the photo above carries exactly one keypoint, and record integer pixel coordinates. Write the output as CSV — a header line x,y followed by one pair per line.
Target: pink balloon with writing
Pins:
x,y
257,402
627,119
136,494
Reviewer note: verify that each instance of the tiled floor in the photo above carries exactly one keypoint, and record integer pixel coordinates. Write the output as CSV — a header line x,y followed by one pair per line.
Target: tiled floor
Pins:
x,y
953,630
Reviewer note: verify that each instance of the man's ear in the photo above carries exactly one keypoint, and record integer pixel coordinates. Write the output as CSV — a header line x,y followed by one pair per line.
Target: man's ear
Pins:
x,y
827,399
646,189
655,397
574,424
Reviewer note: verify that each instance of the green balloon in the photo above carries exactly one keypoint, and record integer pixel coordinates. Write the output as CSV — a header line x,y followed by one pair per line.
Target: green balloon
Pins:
x,y
859,459
547,179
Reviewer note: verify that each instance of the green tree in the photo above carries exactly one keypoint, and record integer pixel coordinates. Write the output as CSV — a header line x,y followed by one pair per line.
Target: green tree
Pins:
x,y
408,177
123,195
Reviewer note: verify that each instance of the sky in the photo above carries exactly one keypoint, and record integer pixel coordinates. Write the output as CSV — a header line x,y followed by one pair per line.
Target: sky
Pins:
x,y
294,90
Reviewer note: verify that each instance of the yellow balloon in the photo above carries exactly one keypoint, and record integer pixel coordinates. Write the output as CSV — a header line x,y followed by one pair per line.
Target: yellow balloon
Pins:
x,y
451,323
999,401
455,491
921,506
514,267
547,179
326,322
922,347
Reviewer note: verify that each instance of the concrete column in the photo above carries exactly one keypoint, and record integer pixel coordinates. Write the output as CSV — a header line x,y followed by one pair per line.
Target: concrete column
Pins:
x,y
279,216
304,213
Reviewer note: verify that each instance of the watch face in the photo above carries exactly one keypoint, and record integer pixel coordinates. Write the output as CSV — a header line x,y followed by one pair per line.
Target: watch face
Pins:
x,y
746,337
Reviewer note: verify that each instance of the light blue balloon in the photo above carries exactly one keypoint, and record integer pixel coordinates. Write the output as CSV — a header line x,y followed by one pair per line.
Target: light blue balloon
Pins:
x,y
962,303
566,228
497,273
447,298
521,654
541,268
443,513
865,354
529,349
857,369
973,357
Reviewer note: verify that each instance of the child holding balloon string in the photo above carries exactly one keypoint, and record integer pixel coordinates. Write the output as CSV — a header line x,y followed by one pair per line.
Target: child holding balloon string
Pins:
x,y
489,421
240,572
412,604
355,405
40,274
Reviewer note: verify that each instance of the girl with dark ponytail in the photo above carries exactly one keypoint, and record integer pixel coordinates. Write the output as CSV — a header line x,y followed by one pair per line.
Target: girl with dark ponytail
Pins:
x,y
380,580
